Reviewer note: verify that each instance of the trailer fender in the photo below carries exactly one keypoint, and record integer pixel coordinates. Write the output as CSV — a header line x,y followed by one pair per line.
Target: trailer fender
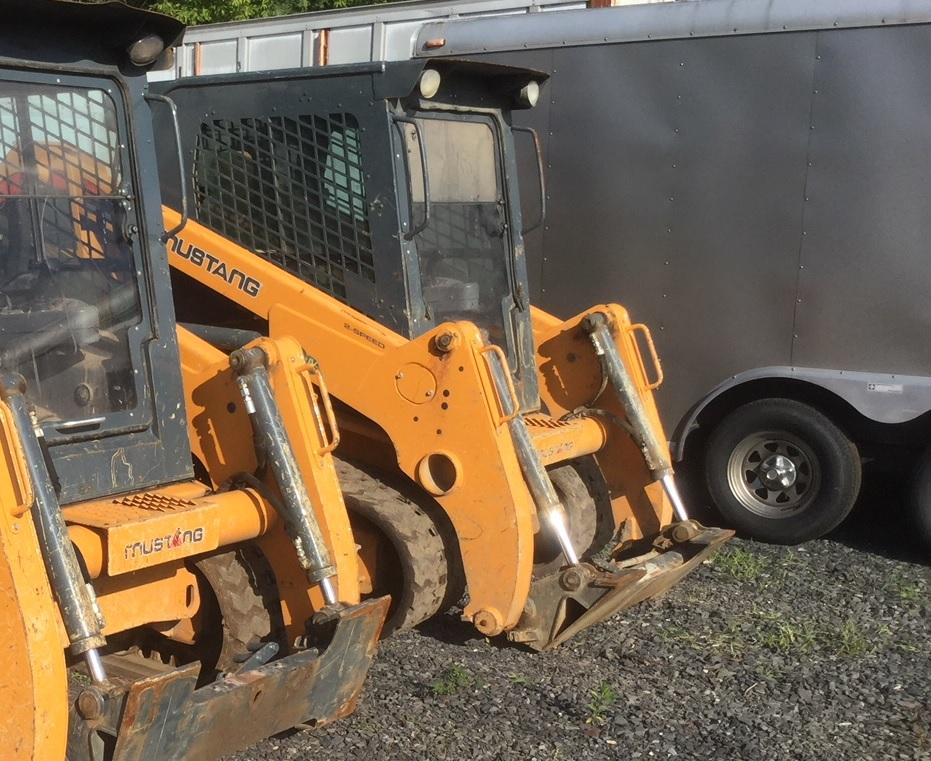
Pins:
x,y
880,397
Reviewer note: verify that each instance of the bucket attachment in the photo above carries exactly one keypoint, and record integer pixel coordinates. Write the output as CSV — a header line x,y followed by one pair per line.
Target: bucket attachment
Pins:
x,y
576,597
153,712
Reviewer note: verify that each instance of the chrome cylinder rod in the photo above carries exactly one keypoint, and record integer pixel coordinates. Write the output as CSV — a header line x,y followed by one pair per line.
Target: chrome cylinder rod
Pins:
x,y
76,599
275,450
538,481
95,666
655,451
672,491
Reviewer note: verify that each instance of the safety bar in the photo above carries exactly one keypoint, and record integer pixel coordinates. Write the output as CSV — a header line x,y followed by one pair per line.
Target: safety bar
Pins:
x,y
173,109
410,185
657,366
312,369
541,177
503,383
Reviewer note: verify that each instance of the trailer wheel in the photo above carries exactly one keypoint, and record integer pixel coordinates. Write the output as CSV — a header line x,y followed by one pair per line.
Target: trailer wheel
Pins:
x,y
919,499
780,471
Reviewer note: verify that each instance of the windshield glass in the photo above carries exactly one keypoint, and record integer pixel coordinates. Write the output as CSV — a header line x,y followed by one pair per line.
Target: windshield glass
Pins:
x,y
463,250
68,293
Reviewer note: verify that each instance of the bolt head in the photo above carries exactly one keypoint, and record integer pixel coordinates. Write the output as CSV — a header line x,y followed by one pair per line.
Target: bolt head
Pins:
x,y
571,580
91,703
445,341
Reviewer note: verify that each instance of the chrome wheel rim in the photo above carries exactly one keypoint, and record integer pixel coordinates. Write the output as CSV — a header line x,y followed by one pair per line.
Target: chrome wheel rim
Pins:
x,y
773,474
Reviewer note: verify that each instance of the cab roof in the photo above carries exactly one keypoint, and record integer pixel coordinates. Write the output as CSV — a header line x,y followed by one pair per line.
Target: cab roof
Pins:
x,y
114,24
390,79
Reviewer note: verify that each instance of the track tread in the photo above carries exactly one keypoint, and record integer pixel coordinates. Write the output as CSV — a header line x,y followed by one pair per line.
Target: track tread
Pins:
x,y
581,489
415,538
245,590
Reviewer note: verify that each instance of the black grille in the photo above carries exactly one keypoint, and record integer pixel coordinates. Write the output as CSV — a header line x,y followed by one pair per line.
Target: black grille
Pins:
x,y
291,190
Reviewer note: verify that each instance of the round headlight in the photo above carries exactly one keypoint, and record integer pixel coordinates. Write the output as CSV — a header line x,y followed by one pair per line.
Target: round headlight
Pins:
x,y
529,94
429,82
146,50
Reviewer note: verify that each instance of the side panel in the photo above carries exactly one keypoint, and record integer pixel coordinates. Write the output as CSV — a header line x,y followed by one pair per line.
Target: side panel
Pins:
x,y
686,199
866,279
684,202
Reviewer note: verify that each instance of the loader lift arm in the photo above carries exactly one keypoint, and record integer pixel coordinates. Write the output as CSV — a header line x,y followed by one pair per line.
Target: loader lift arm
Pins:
x,y
433,397
453,425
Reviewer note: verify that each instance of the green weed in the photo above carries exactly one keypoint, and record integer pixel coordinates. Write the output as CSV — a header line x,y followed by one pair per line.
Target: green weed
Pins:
x,y
852,640
603,698
908,590
787,636
452,680
739,563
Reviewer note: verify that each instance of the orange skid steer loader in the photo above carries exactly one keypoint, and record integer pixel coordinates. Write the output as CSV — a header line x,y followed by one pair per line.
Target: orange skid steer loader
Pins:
x,y
371,211
146,614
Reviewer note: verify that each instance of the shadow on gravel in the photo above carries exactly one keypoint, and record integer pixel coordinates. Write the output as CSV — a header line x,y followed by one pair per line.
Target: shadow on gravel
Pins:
x,y
878,524
451,630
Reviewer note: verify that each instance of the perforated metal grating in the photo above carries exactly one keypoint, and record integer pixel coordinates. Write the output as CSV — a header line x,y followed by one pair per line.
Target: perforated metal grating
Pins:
x,y
292,191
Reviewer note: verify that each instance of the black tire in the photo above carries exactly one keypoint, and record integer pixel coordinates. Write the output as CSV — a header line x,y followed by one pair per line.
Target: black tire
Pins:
x,y
819,463
241,611
242,587
918,504
418,585
582,490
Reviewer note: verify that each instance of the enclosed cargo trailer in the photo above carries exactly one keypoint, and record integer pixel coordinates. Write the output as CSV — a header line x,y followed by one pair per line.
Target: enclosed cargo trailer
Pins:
x,y
752,178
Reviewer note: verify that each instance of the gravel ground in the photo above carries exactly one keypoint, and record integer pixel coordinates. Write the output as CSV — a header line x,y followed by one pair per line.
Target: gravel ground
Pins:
x,y
819,651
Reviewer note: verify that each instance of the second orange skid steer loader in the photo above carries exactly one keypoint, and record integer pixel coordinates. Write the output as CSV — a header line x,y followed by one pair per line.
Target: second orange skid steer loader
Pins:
x,y
146,614
372,212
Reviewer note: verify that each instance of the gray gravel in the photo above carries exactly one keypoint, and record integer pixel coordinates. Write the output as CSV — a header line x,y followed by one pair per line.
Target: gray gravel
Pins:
x,y
819,651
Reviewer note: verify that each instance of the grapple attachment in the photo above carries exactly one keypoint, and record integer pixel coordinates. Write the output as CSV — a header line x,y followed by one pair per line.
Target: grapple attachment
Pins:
x,y
572,599
153,712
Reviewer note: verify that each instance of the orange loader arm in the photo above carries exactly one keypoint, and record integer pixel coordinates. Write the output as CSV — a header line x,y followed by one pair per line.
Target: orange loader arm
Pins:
x,y
433,397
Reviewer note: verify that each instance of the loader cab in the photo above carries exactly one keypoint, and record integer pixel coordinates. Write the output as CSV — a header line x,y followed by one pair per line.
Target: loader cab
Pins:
x,y
85,311
390,185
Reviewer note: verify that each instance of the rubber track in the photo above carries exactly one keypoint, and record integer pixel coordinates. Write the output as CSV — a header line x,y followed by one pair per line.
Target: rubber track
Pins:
x,y
244,587
414,537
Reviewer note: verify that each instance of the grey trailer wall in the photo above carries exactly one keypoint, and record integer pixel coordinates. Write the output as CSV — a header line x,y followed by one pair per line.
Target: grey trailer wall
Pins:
x,y
759,200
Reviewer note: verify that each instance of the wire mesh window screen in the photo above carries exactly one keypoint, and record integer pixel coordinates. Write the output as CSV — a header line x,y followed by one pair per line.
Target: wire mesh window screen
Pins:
x,y
67,270
291,189
63,147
